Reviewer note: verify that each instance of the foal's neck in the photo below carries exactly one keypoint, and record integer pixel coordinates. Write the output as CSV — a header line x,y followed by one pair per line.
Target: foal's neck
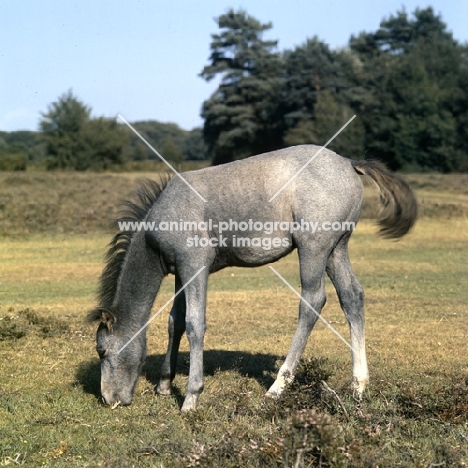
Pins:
x,y
138,283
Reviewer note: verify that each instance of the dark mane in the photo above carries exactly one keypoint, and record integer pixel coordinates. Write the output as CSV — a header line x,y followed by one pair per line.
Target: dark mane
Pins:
x,y
134,209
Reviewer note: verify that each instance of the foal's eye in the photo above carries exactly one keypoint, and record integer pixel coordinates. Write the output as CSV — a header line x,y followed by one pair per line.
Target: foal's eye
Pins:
x,y
101,351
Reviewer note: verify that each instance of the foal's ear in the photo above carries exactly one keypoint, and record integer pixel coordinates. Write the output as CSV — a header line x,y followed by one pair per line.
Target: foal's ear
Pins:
x,y
107,318
93,315
104,315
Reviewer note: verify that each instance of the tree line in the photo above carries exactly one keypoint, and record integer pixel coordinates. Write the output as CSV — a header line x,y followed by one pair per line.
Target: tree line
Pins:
x,y
407,83
71,139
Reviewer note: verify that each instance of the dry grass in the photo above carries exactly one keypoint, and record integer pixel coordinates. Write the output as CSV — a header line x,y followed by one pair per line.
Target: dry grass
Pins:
x,y
414,414
70,202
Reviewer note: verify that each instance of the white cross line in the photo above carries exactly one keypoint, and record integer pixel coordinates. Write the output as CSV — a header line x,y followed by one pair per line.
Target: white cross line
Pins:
x,y
312,158
160,157
161,309
313,310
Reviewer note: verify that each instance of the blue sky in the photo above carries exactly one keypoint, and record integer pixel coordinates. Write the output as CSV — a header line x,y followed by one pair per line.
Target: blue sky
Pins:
x,y
142,58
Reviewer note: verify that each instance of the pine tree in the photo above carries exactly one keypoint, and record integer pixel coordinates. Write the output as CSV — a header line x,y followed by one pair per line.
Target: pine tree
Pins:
x,y
240,117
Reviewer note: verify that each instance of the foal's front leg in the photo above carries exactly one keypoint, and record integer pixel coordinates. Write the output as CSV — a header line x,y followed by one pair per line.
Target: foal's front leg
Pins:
x,y
176,328
195,327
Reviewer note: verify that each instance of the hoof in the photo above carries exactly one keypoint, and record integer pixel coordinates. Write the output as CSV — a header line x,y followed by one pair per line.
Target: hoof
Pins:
x,y
190,403
275,391
358,388
272,395
163,389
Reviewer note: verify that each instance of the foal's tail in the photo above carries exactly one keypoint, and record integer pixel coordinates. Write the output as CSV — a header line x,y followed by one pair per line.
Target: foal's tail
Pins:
x,y
399,206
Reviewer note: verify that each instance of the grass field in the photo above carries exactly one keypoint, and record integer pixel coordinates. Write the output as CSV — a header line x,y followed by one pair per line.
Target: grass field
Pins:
x,y
415,412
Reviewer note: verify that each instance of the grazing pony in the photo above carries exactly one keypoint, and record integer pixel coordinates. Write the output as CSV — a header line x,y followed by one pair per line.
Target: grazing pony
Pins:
x,y
290,187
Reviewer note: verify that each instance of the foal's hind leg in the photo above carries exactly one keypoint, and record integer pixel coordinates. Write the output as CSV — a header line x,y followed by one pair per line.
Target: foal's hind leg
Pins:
x,y
176,328
312,265
351,298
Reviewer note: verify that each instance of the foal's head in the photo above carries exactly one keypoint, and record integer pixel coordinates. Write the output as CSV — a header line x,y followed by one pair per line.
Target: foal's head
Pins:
x,y
121,358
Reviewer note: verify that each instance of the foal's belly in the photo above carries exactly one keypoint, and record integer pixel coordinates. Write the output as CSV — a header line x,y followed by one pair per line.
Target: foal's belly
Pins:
x,y
247,252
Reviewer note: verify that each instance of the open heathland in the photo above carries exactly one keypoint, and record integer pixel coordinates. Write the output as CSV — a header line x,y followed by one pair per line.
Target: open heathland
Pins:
x,y
54,230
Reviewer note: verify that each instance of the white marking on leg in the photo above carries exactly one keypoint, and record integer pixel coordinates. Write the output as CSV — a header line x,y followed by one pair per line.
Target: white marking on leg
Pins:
x,y
283,378
360,369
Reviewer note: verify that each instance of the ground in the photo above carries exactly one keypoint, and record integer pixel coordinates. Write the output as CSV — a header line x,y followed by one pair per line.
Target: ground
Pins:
x,y
415,413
